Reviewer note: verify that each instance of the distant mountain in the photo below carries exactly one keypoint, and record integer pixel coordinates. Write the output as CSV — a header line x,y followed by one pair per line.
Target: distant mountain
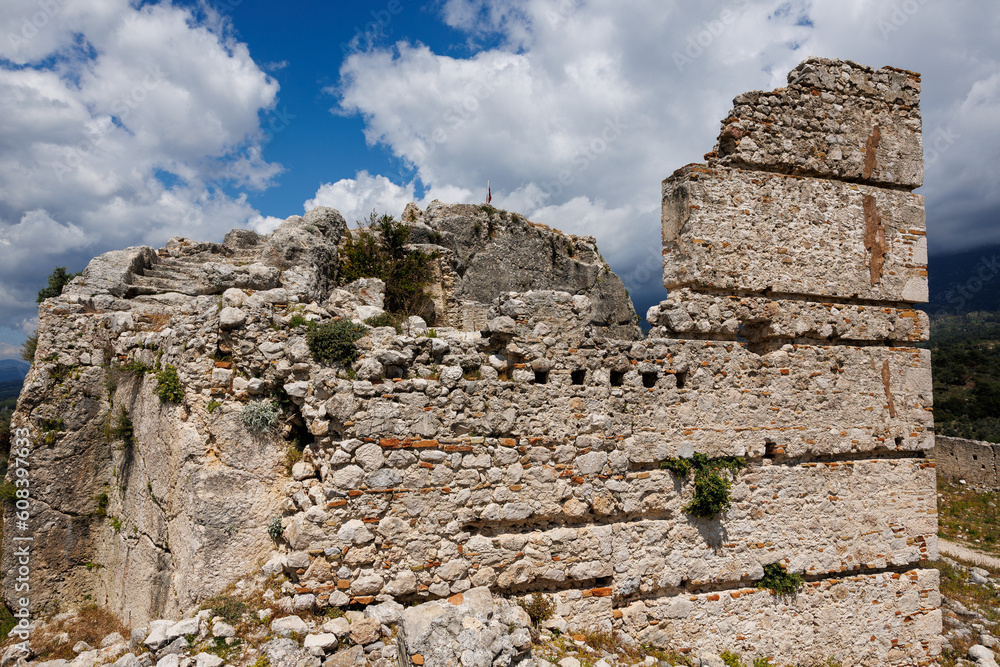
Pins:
x,y
965,282
13,370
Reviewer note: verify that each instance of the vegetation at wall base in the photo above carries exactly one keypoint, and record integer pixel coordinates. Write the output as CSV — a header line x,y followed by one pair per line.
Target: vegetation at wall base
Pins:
x,y
378,250
982,601
970,516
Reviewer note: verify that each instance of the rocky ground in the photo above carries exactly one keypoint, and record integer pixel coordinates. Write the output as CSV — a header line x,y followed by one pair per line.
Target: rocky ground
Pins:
x,y
971,601
256,625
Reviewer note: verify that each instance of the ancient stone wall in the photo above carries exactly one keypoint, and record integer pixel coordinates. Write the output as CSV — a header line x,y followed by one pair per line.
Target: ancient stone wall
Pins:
x,y
524,453
801,235
971,460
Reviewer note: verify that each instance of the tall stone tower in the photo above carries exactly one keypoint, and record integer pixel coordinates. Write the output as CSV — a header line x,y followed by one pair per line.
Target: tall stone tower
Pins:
x,y
801,237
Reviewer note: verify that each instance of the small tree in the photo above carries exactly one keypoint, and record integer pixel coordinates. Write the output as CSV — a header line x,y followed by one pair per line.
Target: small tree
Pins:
x,y
28,348
57,281
334,341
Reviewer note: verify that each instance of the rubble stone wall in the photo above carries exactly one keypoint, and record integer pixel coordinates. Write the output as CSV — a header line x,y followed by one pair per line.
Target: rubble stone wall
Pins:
x,y
800,233
523,453
971,460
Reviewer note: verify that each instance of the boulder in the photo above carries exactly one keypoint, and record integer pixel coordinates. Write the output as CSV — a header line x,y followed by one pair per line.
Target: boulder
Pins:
x,y
500,251
286,625
466,629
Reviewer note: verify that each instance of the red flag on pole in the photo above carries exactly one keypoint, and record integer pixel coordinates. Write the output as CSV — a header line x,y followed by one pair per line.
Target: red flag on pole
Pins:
x,y
489,193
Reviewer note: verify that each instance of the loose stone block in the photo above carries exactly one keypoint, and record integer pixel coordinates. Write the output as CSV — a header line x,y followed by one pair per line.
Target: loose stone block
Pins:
x,y
727,229
835,119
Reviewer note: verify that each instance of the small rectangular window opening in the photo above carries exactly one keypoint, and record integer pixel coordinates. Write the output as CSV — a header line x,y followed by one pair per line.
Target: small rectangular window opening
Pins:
x,y
578,376
681,378
649,380
617,378
541,377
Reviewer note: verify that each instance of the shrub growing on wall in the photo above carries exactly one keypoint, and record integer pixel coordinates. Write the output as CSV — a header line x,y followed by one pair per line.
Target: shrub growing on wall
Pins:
x,y
378,250
332,342
779,580
712,481
168,385
260,417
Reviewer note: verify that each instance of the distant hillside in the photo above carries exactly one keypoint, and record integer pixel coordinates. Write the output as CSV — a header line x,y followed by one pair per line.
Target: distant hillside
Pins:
x,y
13,370
965,357
965,282
9,390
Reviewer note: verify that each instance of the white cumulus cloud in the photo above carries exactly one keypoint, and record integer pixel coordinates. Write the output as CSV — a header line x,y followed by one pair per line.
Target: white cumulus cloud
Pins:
x,y
357,197
120,124
577,110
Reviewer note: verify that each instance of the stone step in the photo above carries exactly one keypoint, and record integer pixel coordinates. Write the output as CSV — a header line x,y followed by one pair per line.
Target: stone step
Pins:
x,y
166,273
187,261
160,285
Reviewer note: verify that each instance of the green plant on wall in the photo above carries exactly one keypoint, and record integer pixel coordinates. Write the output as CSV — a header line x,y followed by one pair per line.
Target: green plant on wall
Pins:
x,y
260,417
168,385
378,250
334,341
712,481
779,580
539,607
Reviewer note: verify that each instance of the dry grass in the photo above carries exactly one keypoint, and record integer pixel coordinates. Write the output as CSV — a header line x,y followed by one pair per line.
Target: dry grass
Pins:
x,y
155,321
956,586
601,643
969,516
91,624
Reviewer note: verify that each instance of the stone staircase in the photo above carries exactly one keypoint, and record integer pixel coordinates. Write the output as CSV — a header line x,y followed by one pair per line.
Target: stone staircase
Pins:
x,y
185,274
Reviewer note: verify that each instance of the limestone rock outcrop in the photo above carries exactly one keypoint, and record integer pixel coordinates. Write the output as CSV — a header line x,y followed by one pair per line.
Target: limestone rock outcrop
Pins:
x,y
497,252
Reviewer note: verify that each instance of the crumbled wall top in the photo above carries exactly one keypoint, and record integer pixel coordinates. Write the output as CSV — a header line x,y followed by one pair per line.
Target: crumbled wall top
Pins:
x,y
481,254
807,192
835,119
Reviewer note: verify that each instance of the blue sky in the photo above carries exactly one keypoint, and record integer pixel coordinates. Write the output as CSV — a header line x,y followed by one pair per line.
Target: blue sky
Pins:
x,y
126,123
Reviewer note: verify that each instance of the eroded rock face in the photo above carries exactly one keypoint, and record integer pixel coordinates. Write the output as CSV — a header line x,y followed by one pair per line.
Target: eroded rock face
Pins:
x,y
497,252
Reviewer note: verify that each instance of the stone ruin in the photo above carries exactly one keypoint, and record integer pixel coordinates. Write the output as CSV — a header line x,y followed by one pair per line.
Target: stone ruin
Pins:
x,y
517,446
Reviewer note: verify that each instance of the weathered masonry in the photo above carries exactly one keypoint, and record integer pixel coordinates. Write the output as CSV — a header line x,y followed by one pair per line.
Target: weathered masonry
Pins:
x,y
520,449
974,461
801,235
